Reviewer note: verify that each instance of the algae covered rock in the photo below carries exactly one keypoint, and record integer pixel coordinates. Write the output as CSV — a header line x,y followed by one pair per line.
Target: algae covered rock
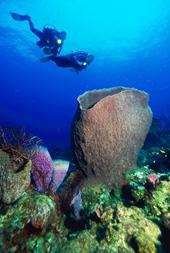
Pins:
x,y
159,203
14,178
124,230
141,181
141,233
44,212
85,242
43,244
139,175
118,228
149,187
130,231
98,194
31,216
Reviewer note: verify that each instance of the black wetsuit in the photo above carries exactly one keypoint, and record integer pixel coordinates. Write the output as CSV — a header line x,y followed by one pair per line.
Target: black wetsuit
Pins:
x,y
47,38
76,61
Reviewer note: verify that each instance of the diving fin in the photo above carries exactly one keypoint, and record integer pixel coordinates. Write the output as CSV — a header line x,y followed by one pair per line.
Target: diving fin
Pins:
x,y
45,59
19,17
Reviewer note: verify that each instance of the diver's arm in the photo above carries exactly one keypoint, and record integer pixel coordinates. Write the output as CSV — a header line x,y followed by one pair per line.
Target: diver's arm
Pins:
x,y
56,50
80,58
57,46
80,63
59,49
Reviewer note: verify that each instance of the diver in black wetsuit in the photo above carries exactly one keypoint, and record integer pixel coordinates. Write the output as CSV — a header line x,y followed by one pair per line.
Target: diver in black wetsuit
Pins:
x,y
77,61
50,39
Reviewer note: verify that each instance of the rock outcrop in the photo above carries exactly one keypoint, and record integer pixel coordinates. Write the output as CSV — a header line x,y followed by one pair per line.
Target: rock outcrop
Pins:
x,y
14,178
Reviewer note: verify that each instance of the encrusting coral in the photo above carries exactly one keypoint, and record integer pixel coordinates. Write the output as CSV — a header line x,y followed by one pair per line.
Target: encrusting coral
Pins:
x,y
31,216
118,229
159,204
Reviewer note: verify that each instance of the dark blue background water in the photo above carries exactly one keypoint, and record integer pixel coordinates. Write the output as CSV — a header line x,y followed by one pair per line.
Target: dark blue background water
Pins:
x,y
129,39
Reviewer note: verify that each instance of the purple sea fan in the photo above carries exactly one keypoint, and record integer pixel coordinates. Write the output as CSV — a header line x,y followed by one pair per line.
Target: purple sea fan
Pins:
x,y
42,168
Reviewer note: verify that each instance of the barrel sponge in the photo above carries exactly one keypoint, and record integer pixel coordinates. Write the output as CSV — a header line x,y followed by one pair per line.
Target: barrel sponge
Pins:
x,y
108,131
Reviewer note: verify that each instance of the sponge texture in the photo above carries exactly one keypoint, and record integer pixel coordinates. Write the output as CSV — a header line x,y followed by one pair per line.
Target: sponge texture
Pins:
x,y
108,131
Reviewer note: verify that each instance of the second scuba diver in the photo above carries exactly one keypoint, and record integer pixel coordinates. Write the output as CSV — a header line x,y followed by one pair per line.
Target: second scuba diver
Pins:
x,y
77,60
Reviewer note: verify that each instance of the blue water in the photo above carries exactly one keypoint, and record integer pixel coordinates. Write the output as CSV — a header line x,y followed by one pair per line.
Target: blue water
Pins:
x,y
129,39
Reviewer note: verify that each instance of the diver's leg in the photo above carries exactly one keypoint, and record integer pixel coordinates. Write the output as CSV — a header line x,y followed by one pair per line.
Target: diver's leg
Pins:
x,y
38,33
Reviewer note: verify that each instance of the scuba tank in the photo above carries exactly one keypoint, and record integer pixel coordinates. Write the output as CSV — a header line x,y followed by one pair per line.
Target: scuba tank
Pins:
x,y
50,34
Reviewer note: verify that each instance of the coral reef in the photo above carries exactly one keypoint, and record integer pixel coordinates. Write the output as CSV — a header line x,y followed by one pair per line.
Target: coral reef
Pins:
x,y
108,132
35,222
118,230
14,178
61,214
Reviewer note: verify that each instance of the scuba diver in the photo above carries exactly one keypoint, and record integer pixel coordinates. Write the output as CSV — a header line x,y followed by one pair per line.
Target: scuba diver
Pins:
x,y
50,39
76,60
